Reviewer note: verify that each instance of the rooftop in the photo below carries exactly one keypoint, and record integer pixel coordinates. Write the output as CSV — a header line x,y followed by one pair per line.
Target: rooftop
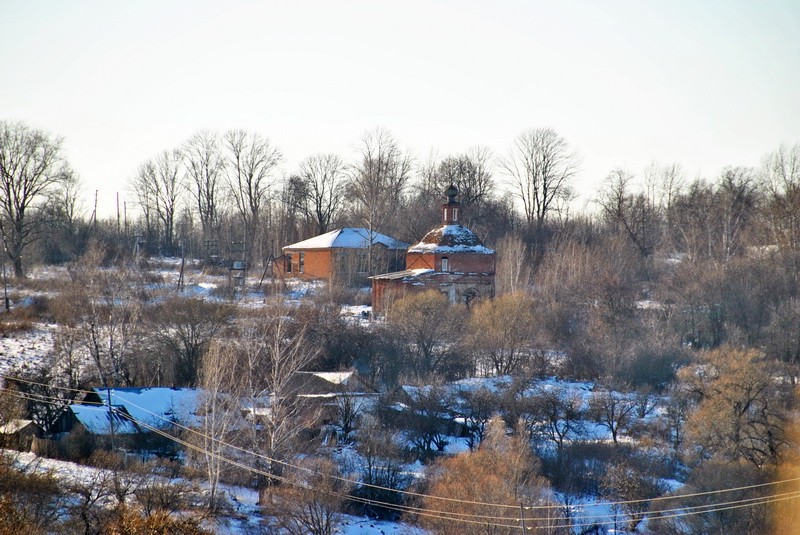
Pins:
x,y
347,238
450,239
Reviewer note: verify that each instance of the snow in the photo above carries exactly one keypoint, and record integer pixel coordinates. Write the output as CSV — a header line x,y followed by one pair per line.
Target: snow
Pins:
x,y
338,378
25,350
353,525
347,238
492,384
450,239
97,420
14,426
243,499
158,405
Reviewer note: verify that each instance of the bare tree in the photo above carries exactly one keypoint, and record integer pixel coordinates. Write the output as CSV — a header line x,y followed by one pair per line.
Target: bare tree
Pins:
x,y
204,163
252,161
31,164
158,186
102,310
311,504
272,348
613,410
631,214
183,329
470,172
430,328
738,199
540,165
741,411
554,414
781,173
323,177
378,182
503,470
663,184
220,413
514,271
504,346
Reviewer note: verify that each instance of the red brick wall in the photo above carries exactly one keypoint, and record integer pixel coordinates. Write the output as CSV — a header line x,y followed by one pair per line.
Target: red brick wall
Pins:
x,y
459,262
316,264
456,287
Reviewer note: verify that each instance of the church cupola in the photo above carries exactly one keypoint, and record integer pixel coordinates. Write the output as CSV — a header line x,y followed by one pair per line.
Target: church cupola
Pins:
x,y
451,209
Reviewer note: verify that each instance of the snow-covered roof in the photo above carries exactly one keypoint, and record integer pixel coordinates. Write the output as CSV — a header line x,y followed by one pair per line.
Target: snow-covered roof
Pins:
x,y
403,274
157,406
14,426
96,419
450,239
347,238
337,378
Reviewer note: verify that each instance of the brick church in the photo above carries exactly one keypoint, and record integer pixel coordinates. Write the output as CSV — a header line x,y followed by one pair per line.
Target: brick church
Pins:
x,y
450,258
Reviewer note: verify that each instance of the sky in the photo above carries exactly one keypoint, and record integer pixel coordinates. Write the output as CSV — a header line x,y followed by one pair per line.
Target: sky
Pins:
x,y
704,84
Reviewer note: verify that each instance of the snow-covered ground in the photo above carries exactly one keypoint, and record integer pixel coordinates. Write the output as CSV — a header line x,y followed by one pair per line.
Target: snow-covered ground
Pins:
x,y
246,517
25,350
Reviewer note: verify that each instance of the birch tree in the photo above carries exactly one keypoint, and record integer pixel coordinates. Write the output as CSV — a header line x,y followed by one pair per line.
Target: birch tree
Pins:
x,y
780,172
272,348
220,413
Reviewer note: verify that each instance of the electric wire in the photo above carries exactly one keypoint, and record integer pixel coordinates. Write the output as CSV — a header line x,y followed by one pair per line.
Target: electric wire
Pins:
x,y
442,515
656,514
427,496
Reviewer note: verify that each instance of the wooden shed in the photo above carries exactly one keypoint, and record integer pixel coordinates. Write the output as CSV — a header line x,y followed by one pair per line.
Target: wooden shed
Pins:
x,y
19,434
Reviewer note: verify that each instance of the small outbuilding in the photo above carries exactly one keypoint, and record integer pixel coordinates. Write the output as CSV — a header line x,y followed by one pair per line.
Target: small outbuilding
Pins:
x,y
19,434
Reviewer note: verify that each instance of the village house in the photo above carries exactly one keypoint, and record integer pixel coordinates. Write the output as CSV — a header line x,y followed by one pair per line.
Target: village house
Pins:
x,y
133,411
345,255
450,258
326,398
19,434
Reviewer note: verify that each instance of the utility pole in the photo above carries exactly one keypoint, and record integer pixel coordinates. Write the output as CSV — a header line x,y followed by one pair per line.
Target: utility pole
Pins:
x,y
110,415
522,517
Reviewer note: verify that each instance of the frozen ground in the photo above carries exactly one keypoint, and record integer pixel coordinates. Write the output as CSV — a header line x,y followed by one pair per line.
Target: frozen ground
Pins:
x,y
247,514
25,350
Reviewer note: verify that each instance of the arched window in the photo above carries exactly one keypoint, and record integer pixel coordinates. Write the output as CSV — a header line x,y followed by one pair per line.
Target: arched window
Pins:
x,y
455,214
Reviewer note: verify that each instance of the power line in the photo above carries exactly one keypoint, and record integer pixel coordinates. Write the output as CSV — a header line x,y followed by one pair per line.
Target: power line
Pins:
x,y
443,515
421,495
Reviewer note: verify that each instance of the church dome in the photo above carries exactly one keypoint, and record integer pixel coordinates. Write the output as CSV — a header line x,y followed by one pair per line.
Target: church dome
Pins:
x,y
450,239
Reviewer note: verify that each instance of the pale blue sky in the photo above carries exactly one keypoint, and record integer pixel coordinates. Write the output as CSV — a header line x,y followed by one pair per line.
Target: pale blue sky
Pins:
x,y
704,84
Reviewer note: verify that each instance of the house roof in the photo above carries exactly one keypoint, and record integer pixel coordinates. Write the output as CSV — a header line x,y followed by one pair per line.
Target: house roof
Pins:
x,y
347,238
450,239
324,383
405,274
15,426
97,419
156,406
